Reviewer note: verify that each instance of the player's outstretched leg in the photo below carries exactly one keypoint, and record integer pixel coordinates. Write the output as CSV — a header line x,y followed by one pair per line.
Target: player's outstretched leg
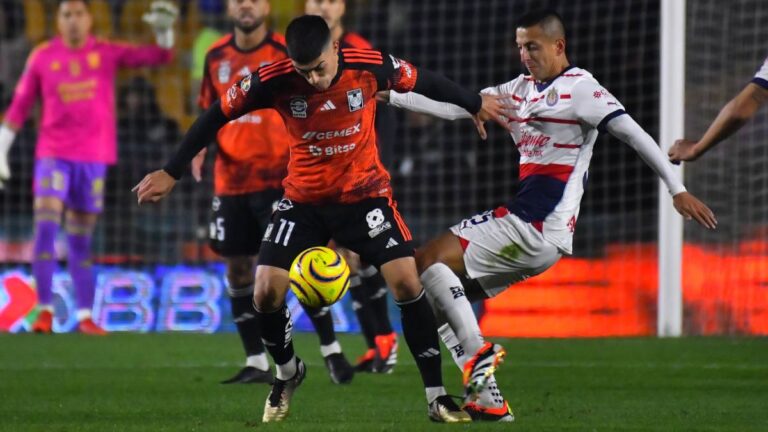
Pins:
x,y
240,277
420,333
277,331
339,369
447,296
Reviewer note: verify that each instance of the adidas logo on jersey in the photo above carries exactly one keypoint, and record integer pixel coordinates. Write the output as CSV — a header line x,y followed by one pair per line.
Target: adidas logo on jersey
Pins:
x,y
391,243
328,106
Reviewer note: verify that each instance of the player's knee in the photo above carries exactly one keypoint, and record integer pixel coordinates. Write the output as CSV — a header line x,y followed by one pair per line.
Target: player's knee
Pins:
x,y
265,297
427,256
240,272
406,288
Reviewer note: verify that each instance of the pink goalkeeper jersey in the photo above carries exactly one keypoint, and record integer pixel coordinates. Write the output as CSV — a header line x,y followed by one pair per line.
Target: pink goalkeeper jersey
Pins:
x,y
77,87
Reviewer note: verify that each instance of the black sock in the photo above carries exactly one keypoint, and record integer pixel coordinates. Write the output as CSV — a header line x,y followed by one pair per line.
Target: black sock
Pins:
x,y
362,307
247,325
323,321
377,293
277,330
420,331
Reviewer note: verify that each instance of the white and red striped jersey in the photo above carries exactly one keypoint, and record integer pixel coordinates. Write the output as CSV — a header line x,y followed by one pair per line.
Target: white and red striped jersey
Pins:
x,y
761,76
555,125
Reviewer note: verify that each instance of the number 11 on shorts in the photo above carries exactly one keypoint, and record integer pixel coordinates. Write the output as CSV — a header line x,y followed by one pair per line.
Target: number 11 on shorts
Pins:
x,y
282,228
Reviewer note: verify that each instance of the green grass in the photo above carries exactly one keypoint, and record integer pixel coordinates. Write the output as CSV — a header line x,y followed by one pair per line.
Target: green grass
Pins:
x,y
169,382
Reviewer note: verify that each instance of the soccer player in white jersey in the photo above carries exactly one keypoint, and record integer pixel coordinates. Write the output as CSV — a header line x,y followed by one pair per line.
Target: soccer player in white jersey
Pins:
x,y
555,115
732,117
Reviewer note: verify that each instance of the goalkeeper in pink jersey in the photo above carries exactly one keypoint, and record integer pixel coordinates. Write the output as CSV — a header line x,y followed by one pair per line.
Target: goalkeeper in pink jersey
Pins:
x,y
73,74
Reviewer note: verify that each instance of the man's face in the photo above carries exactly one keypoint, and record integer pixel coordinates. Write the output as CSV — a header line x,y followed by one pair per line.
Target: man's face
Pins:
x,y
74,21
320,72
539,52
330,10
248,15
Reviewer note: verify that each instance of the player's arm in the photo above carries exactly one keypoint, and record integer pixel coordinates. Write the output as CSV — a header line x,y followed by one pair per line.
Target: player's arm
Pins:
x,y
402,77
422,104
731,118
206,98
245,96
24,98
598,108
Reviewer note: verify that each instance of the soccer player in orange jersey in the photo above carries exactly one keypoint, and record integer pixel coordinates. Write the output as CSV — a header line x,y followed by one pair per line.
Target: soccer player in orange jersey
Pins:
x,y
367,288
336,188
251,162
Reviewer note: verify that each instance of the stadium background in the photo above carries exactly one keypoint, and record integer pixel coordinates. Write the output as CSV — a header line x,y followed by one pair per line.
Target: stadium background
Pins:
x,y
157,273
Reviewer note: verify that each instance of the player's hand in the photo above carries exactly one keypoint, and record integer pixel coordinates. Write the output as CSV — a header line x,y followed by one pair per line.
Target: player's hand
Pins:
x,y
691,208
683,150
161,16
154,187
382,96
493,108
197,165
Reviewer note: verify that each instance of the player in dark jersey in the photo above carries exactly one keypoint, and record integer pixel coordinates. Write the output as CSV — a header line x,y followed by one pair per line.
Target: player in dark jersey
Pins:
x,y
336,188
367,287
251,162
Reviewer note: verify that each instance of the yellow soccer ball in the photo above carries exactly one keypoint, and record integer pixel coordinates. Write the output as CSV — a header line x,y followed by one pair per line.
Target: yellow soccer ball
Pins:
x,y
319,277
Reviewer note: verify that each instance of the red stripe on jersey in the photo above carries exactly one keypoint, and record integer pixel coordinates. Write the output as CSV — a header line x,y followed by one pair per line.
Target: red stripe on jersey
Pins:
x,y
360,50
543,120
567,146
565,96
273,66
539,225
269,75
361,55
464,243
560,172
517,98
363,60
572,75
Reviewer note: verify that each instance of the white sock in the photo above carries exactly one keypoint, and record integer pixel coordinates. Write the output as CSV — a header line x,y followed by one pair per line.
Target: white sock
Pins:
x,y
434,392
288,370
458,353
333,348
83,314
447,294
259,361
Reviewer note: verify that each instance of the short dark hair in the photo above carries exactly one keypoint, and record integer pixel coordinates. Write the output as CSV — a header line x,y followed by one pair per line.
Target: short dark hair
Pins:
x,y
548,19
87,2
307,36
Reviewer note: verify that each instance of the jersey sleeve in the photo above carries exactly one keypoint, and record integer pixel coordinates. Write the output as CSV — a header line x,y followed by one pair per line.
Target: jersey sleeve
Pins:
x,y
594,105
132,56
207,90
245,96
26,92
506,88
395,74
761,76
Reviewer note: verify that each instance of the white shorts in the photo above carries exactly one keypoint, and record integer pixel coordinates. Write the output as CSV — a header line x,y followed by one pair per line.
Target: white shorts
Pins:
x,y
501,249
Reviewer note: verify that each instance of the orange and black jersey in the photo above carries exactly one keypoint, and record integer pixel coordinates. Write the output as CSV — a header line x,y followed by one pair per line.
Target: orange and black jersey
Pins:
x,y
253,151
333,144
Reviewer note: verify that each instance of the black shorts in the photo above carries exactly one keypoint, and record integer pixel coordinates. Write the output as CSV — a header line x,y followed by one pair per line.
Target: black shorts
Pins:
x,y
238,221
372,228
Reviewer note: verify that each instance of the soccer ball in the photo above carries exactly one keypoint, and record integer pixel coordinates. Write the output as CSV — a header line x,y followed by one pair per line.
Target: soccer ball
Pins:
x,y
319,277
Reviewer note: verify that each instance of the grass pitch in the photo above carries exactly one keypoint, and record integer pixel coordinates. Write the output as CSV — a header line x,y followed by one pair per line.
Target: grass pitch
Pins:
x,y
169,382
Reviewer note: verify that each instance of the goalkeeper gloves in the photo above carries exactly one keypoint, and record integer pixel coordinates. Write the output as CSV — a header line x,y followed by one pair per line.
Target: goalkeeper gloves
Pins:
x,y
7,136
161,16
